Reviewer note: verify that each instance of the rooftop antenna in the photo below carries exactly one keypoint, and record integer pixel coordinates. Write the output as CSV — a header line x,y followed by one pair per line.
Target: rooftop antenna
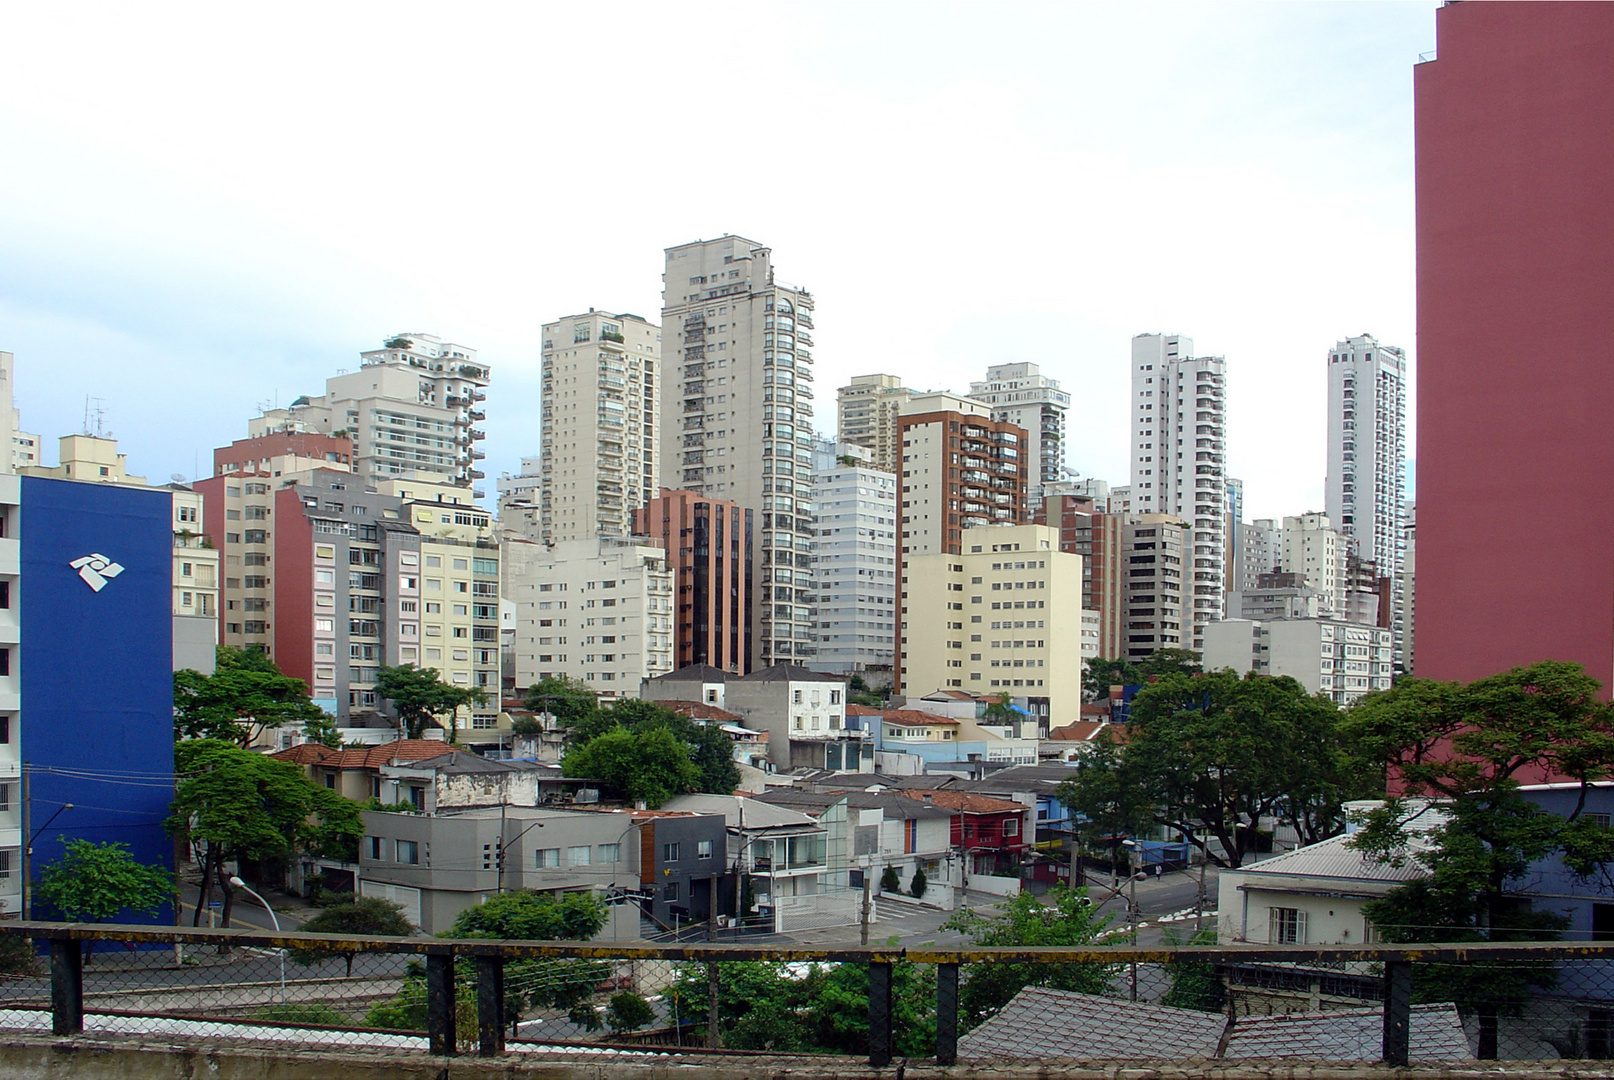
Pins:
x,y
95,417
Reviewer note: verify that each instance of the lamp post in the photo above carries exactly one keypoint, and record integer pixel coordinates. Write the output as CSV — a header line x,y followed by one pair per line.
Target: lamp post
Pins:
x,y
28,847
1132,907
503,847
237,883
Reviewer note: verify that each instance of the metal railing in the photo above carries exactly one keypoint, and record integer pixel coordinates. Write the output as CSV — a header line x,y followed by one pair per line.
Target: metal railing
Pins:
x,y
489,997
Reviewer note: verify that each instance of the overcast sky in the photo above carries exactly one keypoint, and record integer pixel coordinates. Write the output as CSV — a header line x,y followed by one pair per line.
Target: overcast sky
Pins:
x,y
208,208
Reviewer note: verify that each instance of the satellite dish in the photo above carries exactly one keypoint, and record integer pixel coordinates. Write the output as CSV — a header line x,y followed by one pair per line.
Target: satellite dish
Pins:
x,y
178,478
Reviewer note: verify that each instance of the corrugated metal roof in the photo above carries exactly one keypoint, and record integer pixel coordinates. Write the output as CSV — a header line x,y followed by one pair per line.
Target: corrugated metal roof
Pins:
x,y
1333,859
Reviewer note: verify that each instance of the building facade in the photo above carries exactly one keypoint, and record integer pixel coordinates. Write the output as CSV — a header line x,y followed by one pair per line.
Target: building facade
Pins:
x,y
1315,550
856,567
708,544
599,610
960,470
1085,529
411,408
1179,422
1367,446
1515,223
866,412
1020,394
601,411
737,423
1343,660
1155,593
1000,617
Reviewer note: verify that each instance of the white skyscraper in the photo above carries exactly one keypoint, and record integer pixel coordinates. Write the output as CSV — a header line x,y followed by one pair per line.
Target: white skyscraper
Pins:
x,y
601,406
1367,447
1021,394
1179,412
737,419
856,570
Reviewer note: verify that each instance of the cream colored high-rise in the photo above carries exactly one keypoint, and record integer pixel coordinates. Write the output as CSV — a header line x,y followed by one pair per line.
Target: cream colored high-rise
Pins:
x,y
1313,548
866,413
601,406
1004,615
737,420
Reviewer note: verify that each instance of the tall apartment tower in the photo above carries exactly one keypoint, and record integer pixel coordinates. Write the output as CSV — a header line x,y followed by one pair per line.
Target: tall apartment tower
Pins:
x,y
411,410
1314,549
866,415
1367,447
961,471
601,408
1021,394
1086,529
709,549
1179,414
1155,594
737,421
1515,228
856,569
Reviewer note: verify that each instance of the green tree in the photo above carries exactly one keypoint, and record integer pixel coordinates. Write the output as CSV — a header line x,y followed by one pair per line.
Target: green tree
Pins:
x,y
998,710
366,916
235,806
521,916
92,882
649,765
1468,747
1025,921
1100,674
420,697
245,696
1207,756
568,700
890,880
628,1011
710,750
919,883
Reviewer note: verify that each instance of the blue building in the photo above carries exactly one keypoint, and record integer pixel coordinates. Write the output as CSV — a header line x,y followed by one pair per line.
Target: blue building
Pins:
x,y
88,581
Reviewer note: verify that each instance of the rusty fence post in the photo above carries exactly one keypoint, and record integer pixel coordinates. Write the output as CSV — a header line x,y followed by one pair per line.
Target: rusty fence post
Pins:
x,y
490,1005
66,987
440,1034
879,1014
1397,1011
946,1014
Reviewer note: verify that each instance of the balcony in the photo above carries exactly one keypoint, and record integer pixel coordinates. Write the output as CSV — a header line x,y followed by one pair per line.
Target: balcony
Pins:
x,y
477,415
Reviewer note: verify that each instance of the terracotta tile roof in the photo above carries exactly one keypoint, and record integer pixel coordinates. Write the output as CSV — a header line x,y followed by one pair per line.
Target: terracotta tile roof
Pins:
x,y
910,717
1080,731
699,710
305,754
861,710
373,757
967,801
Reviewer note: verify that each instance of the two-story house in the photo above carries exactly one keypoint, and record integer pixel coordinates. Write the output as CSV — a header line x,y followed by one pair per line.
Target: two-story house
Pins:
x,y
993,835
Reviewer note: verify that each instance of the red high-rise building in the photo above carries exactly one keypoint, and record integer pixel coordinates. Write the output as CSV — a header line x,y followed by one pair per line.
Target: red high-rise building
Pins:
x,y
708,544
1515,188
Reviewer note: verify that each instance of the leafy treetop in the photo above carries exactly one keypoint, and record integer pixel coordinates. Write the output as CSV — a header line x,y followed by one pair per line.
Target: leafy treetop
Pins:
x,y
92,882
1101,674
245,695
420,696
526,916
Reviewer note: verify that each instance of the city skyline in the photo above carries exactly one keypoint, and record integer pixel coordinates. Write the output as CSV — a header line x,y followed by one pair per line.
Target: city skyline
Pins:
x,y
131,245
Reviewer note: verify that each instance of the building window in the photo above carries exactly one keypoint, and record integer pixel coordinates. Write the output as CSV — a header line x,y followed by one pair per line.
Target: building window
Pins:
x,y
408,852
703,849
669,852
610,853
1286,926
579,855
1011,827
546,858
375,848
669,892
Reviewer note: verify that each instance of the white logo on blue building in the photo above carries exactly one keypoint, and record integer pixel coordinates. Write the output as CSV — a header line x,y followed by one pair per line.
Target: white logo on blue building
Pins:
x,y
96,570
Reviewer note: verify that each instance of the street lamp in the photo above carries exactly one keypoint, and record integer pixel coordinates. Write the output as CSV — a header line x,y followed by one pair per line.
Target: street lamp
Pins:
x,y
28,850
237,883
1132,848
503,846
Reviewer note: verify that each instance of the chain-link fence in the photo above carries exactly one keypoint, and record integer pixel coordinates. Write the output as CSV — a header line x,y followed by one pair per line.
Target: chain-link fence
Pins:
x,y
1401,1004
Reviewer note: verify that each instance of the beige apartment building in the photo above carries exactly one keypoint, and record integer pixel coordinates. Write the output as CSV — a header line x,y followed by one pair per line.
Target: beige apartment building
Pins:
x,y
866,412
93,459
411,408
1315,550
601,410
737,419
598,609
1004,615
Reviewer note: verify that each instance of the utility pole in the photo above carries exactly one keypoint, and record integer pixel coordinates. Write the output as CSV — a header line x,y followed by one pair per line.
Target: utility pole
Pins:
x,y
863,931
1199,900
27,899
1132,909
